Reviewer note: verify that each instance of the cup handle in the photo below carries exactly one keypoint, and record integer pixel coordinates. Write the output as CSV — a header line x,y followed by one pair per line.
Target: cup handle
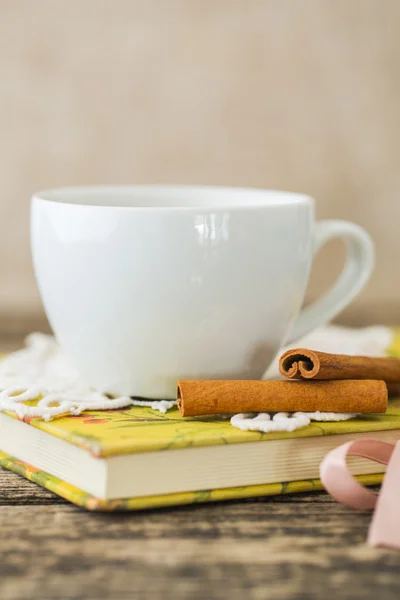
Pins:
x,y
356,272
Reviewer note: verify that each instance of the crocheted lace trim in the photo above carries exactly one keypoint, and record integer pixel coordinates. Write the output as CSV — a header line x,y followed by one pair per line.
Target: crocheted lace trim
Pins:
x,y
41,370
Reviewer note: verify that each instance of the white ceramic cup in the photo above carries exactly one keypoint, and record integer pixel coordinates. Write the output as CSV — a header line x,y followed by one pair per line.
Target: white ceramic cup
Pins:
x,y
144,285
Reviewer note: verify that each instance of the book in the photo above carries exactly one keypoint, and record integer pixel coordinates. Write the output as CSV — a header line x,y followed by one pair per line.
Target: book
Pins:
x,y
137,458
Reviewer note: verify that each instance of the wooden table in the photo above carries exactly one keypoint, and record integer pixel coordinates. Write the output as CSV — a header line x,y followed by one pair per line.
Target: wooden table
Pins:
x,y
289,547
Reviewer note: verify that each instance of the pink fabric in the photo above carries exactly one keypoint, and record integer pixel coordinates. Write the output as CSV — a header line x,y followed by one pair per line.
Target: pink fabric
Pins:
x,y
338,481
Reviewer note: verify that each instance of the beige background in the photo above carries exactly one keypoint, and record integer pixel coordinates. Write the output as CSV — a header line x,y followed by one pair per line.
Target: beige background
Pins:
x,y
296,94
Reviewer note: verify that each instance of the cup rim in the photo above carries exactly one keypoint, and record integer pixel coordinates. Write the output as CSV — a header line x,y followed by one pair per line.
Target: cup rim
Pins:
x,y
170,197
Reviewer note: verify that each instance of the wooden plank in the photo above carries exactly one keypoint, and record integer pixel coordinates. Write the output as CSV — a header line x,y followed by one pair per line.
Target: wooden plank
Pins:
x,y
15,489
256,550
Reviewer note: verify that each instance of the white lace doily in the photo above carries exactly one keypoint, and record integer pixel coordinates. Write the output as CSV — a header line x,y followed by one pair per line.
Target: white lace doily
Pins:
x,y
42,370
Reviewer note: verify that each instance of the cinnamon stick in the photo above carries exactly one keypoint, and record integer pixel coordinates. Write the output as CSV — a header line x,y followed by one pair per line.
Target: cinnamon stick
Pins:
x,y
197,398
394,389
302,363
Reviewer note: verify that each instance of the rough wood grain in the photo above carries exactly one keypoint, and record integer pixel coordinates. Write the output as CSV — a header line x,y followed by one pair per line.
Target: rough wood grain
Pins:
x,y
17,490
302,546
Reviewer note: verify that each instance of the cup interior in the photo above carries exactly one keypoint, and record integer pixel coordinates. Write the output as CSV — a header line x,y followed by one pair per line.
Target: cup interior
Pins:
x,y
171,196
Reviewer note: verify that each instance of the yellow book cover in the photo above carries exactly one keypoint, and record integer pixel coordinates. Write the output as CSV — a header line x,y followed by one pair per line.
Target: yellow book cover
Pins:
x,y
140,429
